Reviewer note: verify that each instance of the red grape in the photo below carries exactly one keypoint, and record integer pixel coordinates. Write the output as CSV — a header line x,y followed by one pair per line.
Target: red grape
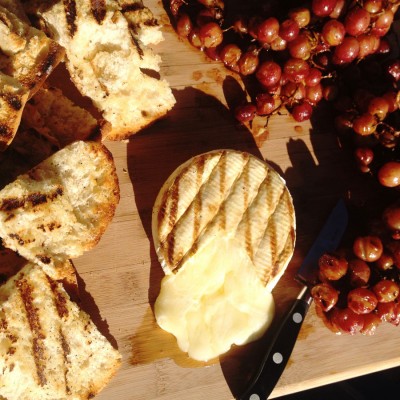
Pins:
x,y
292,93
379,107
278,44
265,104
333,32
361,300
325,296
289,30
314,94
332,267
269,73
382,24
313,77
268,30
322,8
301,15
248,62
386,290
364,155
391,217
245,112
339,9
210,34
371,322
347,321
373,6
385,262
184,25
357,21
368,44
389,174
194,38
300,47
347,51
393,100
389,312
359,272
230,55
302,111
368,248
296,70
365,124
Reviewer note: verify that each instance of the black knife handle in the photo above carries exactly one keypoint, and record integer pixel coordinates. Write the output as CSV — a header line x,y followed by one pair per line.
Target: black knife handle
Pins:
x,y
279,351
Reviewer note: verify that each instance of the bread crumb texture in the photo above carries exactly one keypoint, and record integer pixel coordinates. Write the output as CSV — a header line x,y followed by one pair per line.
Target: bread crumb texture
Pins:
x,y
108,58
61,207
49,348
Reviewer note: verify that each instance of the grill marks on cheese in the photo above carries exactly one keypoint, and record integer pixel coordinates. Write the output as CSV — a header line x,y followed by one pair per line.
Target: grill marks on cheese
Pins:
x,y
233,192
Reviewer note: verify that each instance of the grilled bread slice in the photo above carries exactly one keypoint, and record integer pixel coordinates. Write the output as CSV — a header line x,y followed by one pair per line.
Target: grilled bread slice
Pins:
x,y
61,207
107,61
225,193
28,149
49,348
16,8
27,54
13,97
58,119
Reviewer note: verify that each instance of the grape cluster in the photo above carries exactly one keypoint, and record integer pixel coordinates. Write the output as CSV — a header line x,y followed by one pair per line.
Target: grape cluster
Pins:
x,y
289,57
356,292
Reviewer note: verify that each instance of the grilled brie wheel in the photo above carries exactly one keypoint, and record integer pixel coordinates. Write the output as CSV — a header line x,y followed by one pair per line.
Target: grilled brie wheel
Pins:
x,y
224,232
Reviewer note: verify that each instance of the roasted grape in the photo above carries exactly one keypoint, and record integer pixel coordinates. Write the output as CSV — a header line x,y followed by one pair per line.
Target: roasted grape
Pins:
x,y
347,321
368,248
362,300
269,73
332,267
386,290
371,322
325,296
359,273
389,174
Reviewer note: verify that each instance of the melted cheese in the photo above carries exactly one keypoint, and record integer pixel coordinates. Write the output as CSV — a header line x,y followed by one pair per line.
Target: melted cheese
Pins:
x,y
214,301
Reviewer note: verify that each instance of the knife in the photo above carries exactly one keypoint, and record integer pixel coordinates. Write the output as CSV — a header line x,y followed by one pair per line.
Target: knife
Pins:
x,y
282,344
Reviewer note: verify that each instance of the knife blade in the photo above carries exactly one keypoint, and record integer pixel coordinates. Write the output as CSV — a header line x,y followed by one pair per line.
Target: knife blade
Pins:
x,y
282,343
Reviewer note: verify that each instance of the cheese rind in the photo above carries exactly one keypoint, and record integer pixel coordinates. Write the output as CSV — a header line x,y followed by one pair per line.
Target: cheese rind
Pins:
x,y
224,231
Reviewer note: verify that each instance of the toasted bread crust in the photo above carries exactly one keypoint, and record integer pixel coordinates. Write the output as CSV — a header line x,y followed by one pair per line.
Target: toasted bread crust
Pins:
x,y
28,55
58,119
69,200
49,346
111,76
13,97
225,192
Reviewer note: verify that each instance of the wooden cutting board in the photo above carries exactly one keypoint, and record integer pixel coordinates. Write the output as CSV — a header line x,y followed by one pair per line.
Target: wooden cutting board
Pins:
x,y
120,278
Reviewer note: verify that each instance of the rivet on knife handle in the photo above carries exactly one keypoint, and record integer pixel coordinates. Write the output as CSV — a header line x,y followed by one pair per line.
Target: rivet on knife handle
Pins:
x,y
279,351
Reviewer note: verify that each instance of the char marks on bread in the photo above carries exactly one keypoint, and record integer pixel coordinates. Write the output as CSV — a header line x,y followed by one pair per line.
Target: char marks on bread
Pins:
x,y
107,54
27,54
13,97
27,57
60,208
49,347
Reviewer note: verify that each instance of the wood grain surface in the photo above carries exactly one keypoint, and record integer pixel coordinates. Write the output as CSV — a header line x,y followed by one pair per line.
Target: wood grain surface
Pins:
x,y
120,279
